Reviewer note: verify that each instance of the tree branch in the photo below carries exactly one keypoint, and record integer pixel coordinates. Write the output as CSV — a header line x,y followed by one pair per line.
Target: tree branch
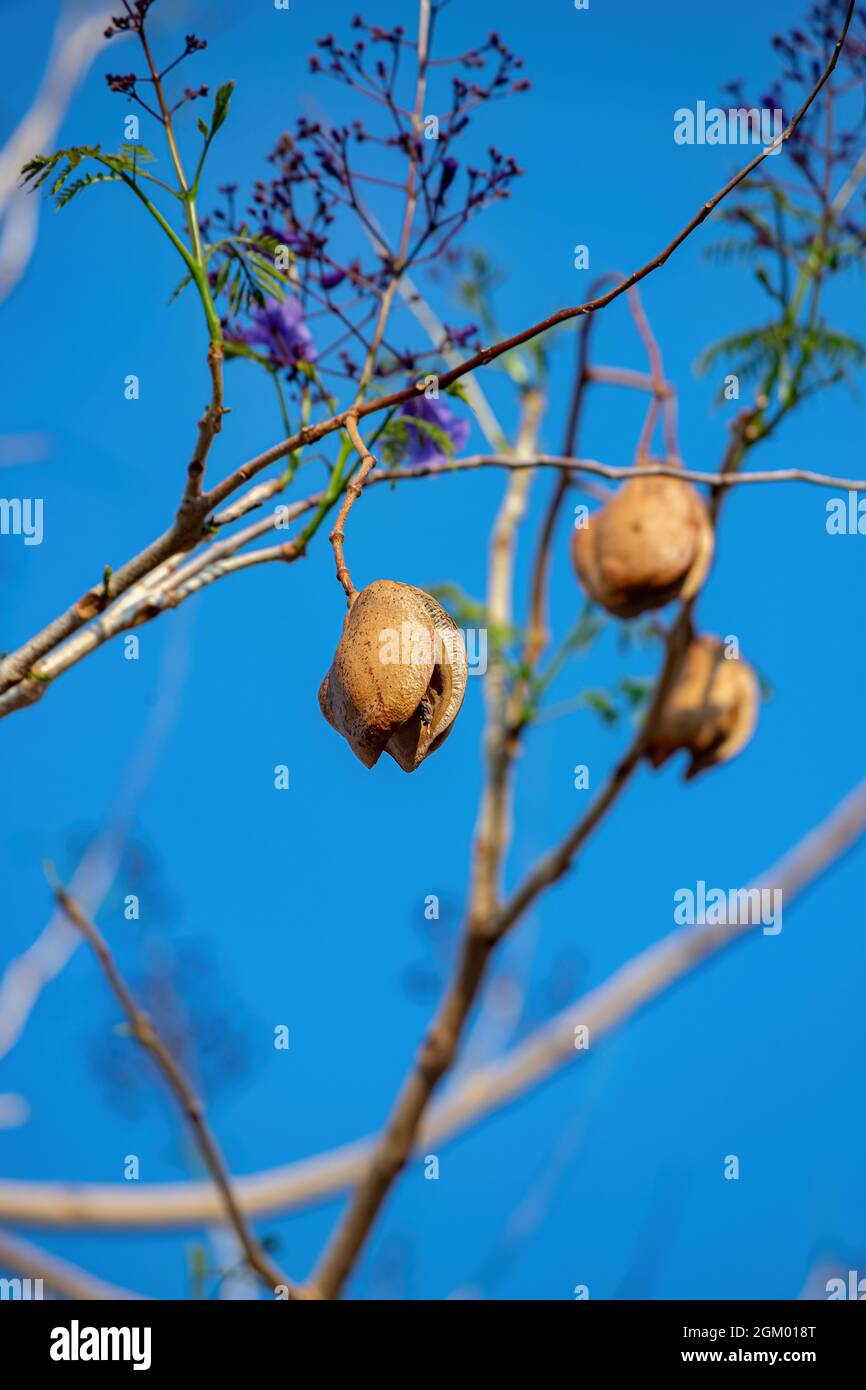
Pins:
x,y
65,1278
188,526
481,1092
144,1033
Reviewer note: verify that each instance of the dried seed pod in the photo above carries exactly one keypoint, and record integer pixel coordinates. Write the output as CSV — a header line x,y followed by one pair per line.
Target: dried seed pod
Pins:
x,y
652,542
398,676
711,708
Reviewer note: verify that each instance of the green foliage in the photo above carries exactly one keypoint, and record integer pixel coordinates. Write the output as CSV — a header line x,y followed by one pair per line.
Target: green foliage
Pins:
x,y
765,351
218,117
59,167
636,690
247,273
625,697
602,704
475,289
221,106
767,689
791,244
199,1270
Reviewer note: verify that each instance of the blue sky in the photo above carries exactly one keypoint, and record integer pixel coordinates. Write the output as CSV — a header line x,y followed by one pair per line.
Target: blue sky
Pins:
x,y
306,908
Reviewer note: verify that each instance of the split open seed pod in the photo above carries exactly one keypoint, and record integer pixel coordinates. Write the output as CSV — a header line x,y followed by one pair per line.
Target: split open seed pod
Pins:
x,y
710,710
398,676
652,542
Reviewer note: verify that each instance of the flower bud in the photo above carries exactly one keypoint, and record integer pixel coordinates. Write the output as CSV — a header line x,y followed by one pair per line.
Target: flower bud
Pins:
x,y
398,676
652,542
711,708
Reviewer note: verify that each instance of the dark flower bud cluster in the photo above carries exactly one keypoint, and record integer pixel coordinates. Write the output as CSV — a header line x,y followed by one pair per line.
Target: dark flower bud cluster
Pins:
x,y
828,140
129,84
801,220
334,186
132,22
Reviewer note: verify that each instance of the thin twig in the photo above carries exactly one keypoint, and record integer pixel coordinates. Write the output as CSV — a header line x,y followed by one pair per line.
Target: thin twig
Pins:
x,y
538,636
354,488
158,592
142,1028
617,474
209,425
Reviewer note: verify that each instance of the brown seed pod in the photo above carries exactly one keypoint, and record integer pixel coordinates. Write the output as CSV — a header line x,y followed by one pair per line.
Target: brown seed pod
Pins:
x,y
652,542
398,676
711,708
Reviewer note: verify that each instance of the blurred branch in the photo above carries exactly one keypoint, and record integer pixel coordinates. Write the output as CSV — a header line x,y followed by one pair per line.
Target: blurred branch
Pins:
x,y
849,187
144,1033
616,474
480,1093
585,374
491,831
67,1279
27,974
663,395
74,46
538,633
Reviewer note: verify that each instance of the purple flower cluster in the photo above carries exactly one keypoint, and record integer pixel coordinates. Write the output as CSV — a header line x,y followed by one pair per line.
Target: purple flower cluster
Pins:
x,y
278,326
423,448
324,174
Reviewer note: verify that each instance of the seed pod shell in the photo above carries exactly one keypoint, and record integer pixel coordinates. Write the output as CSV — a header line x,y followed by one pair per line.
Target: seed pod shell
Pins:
x,y
398,677
711,709
650,543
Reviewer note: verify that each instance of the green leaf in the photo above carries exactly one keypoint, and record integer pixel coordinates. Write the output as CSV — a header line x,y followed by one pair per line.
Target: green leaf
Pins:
x,y
585,631
600,703
218,116
37,170
128,162
179,289
134,155
834,346
636,689
458,389
69,190
221,107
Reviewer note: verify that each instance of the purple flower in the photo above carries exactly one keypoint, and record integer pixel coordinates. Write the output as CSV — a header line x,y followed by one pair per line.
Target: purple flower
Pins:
x,y
279,327
423,447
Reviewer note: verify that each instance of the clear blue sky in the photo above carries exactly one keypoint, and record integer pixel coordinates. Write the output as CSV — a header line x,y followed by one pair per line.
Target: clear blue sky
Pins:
x,y
274,912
